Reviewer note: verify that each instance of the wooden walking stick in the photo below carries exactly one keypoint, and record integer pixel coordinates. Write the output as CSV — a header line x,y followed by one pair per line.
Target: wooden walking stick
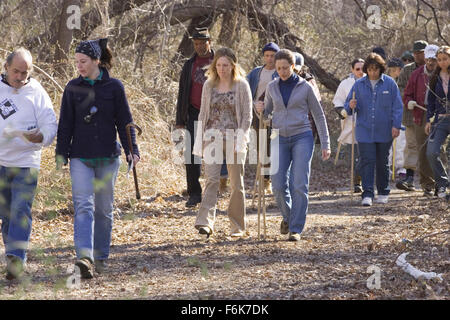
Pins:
x,y
353,153
130,146
261,191
337,152
393,159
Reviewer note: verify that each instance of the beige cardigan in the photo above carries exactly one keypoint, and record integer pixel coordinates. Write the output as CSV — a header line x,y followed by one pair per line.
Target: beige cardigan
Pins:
x,y
243,114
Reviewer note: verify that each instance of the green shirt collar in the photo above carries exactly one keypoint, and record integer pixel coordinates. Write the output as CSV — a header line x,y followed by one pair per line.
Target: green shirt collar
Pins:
x,y
92,82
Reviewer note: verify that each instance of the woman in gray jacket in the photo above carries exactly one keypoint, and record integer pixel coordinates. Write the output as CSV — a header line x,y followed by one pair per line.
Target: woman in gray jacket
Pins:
x,y
289,99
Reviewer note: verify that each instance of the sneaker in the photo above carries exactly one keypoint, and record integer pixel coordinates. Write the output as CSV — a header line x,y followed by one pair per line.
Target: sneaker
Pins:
x,y
14,267
86,268
428,192
284,227
100,266
406,184
294,236
382,199
237,234
357,188
205,230
193,201
441,192
366,202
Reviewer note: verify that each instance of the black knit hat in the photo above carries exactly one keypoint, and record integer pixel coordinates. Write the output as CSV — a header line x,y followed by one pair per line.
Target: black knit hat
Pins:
x,y
395,62
380,51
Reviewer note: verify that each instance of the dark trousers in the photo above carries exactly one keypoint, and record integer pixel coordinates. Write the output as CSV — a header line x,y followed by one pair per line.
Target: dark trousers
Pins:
x,y
374,161
193,167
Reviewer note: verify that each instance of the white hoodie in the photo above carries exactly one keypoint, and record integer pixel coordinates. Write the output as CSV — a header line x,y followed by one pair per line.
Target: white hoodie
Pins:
x,y
24,110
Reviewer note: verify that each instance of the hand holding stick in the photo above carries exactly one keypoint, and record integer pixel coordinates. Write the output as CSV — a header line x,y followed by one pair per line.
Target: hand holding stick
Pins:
x,y
130,146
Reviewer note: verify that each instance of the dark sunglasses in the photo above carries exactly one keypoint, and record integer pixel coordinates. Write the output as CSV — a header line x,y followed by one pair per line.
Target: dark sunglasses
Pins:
x,y
358,69
92,111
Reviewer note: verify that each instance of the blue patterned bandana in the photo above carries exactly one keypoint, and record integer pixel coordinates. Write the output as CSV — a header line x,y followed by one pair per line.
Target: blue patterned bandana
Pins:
x,y
92,48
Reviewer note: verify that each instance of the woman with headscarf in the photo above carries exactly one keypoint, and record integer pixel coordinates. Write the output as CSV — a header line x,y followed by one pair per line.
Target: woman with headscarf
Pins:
x,y
94,108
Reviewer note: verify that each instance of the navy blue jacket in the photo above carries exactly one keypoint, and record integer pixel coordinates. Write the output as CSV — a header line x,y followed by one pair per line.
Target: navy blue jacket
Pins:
x,y
98,138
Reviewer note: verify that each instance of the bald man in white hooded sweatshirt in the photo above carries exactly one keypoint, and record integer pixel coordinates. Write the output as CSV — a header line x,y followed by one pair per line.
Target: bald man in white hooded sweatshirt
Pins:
x,y
27,124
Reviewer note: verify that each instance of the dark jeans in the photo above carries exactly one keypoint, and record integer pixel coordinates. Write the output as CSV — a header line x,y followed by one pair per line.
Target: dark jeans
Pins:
x,y
374,157
434,154
193,163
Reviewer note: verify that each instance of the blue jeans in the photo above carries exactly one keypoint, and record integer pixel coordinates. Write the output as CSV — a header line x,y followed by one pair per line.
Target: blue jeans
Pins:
x,y
93,199
435,142
290,184
374,158
17,191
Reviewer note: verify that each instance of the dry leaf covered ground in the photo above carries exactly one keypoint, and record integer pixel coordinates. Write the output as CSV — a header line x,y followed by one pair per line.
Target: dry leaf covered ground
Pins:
x,y
157,254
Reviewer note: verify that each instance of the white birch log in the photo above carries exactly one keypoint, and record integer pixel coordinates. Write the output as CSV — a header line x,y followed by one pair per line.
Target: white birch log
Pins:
x,y
416,273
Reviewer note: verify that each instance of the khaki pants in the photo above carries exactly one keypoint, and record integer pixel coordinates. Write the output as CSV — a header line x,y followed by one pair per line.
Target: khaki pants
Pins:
x,y
411,153
236,209
425,171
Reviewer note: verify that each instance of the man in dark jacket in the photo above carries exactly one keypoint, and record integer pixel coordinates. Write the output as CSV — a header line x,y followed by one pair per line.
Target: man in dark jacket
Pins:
x,y
188,106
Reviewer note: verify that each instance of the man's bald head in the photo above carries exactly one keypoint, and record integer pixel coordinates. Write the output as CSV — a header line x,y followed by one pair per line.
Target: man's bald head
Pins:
x,y
18,66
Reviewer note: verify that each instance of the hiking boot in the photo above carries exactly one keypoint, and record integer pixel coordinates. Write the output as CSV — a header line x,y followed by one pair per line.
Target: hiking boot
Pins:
x,y
428,193
294,236
267,186
406,184
193,201
14,267
366,202
284,227
100,266
382,199
86,268
223,186
357,189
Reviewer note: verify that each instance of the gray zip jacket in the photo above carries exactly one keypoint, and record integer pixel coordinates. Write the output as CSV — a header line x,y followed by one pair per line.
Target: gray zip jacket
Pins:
x,y
293,119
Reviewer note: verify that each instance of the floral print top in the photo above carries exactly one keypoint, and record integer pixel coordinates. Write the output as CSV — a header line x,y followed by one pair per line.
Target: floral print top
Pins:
x,y
223,111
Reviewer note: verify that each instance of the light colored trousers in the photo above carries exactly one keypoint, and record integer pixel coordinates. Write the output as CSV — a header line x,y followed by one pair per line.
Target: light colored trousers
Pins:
x,y
411,153
236,209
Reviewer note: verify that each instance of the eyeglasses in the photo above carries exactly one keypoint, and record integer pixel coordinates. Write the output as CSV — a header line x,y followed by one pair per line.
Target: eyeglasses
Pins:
x,y
358,69
92,111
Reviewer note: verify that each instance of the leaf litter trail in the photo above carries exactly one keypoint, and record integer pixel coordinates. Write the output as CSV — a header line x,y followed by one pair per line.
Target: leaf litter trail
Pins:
x,y
157,254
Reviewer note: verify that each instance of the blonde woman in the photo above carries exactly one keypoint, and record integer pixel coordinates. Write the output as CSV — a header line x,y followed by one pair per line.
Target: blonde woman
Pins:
x,y
223,132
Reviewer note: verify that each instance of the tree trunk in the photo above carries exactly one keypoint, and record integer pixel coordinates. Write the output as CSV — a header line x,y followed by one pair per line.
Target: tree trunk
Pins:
x,y
64,35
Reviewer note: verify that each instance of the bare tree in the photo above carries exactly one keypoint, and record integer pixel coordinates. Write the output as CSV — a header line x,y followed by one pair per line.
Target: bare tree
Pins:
x,y
64,35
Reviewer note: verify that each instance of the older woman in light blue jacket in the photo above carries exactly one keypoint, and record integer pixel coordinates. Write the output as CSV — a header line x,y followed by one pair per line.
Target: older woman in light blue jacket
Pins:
x,y
289,99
